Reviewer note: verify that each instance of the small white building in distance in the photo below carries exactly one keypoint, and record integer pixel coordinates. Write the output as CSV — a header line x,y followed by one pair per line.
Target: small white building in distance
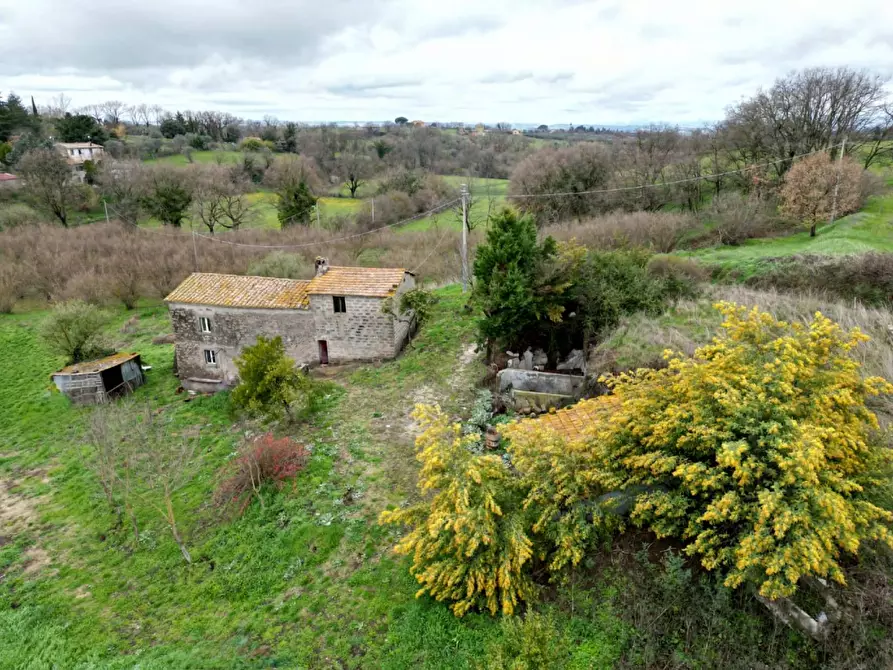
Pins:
x,y
79,152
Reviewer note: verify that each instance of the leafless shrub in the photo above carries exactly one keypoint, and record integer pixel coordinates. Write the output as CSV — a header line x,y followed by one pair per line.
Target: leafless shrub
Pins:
x,y
737,217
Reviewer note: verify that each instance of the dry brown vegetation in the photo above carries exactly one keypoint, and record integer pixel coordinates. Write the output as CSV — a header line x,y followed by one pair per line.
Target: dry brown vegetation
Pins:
x,y
104,263
659,231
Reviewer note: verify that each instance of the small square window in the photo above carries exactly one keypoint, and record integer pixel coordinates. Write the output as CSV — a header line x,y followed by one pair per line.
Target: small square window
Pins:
x,y
340,303
205,324
210,357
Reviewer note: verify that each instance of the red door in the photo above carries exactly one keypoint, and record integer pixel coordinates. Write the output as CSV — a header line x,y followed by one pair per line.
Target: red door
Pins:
x,y
323,352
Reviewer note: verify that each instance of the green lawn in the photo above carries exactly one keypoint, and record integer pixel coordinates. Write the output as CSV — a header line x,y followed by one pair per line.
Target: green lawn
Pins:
x,y
868,230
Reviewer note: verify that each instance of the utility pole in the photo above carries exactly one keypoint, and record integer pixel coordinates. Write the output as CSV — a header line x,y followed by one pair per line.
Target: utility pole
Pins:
x,y
373,209
194,251
318,224
837,183
104,203
464,250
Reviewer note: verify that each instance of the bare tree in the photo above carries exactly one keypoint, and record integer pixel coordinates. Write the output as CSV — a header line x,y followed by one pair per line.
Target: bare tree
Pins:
x,y
57,106
817,188
113,460
554,183
48,182
804,112
167,465
121,183
355,167
156,114
219,198
877,142
139,114
112,111
643,163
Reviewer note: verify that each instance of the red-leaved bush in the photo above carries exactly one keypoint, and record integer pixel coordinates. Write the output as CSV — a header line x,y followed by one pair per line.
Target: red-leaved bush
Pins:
x,y
261,461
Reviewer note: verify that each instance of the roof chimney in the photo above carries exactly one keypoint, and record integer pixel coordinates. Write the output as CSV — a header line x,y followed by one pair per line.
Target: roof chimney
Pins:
x,y
322,266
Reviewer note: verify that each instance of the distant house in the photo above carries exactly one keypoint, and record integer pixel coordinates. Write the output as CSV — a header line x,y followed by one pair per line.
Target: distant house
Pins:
x,y
516,131
9,181
96,382
334,317
418,124
78,153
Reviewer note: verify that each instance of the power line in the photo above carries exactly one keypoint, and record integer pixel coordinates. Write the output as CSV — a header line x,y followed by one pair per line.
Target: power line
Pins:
x,y
434,250
668,183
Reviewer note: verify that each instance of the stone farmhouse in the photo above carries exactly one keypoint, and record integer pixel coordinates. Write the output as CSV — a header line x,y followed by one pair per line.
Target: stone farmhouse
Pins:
x,y
335,317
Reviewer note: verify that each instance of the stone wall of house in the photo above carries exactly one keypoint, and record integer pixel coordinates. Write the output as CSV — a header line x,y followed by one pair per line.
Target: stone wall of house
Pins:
x,y
362,332
232,329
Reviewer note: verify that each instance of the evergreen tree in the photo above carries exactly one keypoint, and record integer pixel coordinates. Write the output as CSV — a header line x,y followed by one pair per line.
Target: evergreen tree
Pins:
x,y
80,128
507,289
296,204
15,118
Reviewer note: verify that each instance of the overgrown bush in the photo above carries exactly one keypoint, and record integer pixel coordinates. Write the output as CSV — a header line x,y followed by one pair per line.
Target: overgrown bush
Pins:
x,y
865,277
660,232
270,383
265,460
757,453
469,543
74,330
738,217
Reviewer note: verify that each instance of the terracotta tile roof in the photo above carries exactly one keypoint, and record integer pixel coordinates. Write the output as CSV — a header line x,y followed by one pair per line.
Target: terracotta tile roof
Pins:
x,y
98,365
5,176
371,282
570,421
202,288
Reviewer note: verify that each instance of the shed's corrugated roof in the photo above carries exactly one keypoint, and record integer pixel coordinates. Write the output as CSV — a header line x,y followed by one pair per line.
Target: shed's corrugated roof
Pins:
x,y
371,282
90,367
570,421
203,288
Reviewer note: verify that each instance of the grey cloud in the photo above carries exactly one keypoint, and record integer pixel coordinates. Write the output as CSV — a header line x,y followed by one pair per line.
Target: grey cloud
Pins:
x,y
171,34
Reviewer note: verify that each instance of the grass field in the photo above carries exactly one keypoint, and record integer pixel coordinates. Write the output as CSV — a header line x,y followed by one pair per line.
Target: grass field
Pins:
x,y
307,582
487,195
225,157
868,230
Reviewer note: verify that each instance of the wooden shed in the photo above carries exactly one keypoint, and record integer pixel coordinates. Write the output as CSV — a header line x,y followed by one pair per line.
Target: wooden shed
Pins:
x,y
98,381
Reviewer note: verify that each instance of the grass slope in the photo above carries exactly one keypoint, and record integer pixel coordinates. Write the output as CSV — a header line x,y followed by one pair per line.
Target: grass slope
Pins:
x,y
307,582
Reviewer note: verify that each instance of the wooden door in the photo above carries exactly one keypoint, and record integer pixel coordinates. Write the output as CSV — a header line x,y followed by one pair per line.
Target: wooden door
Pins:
x,y
323,352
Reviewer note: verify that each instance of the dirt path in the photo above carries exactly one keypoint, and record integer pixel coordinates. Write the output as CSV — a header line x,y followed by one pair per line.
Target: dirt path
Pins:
x,y
18,516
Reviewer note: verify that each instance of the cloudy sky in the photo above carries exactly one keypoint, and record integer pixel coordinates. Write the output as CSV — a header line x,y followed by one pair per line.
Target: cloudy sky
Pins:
x,y
521,61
